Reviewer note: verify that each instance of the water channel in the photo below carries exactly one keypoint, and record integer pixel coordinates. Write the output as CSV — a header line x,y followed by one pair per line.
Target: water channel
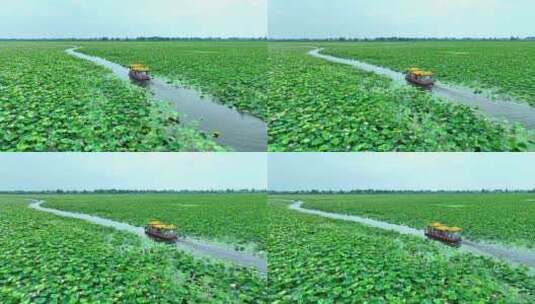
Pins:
x,y
511,111
196,247
513,255
240,131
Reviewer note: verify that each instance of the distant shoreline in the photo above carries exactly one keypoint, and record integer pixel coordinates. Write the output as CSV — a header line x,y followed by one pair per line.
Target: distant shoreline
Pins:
x,y
334,39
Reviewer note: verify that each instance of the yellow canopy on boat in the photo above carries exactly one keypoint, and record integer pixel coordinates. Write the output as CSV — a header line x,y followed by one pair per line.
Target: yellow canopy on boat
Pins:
x,y
419,72
455,229
441,227
137,67
164,227
159,225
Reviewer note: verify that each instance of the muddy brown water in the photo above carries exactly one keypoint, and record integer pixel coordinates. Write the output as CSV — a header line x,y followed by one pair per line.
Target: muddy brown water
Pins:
x,y
520,256
195,247
240,131
498,109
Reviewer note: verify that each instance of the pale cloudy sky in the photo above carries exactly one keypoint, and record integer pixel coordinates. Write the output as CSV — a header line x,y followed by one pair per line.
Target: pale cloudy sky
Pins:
x,y
154,171
258,18
414,18
132,18
401,171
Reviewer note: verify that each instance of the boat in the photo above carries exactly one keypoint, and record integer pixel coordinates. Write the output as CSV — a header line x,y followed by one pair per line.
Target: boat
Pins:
x,y
420,77
161,231
445,234
139,72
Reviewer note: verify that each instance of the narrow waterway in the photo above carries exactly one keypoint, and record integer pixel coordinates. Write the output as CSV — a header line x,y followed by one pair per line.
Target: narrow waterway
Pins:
x,y
513,112
512,255
196,247
239,131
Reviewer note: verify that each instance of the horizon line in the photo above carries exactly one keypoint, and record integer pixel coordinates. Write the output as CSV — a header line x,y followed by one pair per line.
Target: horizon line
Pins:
x,y
341,38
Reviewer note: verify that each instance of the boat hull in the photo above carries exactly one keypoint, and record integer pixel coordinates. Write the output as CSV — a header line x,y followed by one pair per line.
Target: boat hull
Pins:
x,y
444,239
161,237
420,82
138,76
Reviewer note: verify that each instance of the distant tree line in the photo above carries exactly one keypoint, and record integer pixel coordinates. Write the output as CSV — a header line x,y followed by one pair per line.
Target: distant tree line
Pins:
x,y
154,38
340,39
404,39
379,191
237,191
121,191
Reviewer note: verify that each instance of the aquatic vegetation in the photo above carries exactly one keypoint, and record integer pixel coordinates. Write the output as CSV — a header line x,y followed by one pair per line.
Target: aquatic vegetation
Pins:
x,y
83,263
50,101
233,72
239,219
481,215
322,106
504,67
318,260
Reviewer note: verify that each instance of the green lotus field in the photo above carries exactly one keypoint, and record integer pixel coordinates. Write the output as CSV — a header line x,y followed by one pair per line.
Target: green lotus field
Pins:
x,y
318,260
232,218
50,259
51,101
504,67
502,218
233,72
316,105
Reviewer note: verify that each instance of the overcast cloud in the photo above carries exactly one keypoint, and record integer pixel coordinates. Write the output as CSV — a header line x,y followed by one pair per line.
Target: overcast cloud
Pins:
x,y
255,18
402,18
132,18
401,171
153,171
